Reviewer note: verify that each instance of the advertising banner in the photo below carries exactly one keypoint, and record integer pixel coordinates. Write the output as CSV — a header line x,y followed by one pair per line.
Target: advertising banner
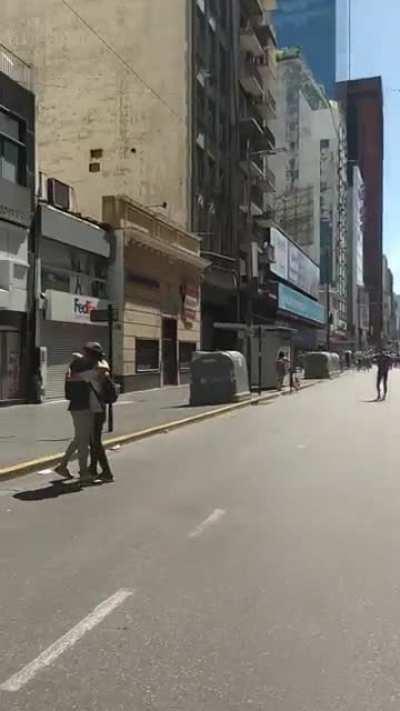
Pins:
x,y
303,272
293,265
280,244
295,303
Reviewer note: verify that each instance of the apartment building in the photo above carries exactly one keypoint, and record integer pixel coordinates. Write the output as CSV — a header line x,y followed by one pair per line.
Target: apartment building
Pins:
x,y
17,170
311,178
169,106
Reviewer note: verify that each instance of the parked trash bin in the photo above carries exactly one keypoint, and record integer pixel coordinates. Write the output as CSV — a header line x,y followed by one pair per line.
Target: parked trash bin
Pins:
x,y
218,377
321,365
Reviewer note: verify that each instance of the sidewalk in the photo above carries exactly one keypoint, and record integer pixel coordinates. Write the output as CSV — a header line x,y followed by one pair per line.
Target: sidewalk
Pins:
x,y
31,432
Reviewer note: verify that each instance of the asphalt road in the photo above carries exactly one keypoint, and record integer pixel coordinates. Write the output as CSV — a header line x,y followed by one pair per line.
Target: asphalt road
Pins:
x,y
31,431
248,562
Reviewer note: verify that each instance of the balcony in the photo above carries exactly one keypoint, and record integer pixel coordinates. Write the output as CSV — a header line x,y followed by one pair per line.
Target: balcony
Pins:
x,y
252,165
252,203
267,67
15,68
249,41
251,127
253,7
250,77
265,106
266,32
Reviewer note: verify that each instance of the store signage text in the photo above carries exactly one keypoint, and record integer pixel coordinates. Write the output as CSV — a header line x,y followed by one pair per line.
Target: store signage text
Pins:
x,y
82,307
293,302
190,295
70,308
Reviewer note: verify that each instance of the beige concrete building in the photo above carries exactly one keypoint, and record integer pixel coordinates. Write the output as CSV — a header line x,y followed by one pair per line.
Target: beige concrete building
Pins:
x,y
113,96
156,282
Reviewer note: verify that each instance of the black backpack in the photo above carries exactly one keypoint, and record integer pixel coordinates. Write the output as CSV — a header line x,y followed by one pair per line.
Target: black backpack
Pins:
x,y
109,391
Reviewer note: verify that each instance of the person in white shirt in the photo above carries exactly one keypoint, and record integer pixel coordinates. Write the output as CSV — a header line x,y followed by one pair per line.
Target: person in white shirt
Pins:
x,y
95,376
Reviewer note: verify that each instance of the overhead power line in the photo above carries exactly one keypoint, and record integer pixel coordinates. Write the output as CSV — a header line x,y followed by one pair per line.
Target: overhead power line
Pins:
x,y
123,61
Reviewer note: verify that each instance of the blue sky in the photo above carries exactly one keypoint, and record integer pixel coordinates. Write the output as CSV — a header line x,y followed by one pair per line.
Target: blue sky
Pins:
x,y
375,39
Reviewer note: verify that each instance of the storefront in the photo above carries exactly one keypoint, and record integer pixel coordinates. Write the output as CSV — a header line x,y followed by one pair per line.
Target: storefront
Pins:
x,y
301,313
65,329
75,258
157,283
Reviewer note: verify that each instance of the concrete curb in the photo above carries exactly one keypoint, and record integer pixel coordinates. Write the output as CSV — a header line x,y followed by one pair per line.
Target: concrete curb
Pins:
x,y
49,461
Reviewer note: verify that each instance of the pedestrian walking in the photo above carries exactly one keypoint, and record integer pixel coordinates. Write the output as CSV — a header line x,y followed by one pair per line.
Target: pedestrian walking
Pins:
x,y
77,391
384,363
62,467
281,366
98,378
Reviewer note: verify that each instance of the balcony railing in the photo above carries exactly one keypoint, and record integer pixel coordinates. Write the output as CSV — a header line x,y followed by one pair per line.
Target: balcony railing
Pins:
x,y
249,41
15,68
250,77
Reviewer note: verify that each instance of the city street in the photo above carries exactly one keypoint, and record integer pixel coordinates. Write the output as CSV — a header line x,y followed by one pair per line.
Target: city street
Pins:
x,y
247,562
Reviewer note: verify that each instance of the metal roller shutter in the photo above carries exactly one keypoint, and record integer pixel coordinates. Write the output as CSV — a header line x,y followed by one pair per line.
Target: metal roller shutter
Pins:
x,y
61,340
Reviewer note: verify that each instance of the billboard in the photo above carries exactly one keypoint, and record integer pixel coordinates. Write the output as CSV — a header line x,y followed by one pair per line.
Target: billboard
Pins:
x,y
280,244
293,265
303,272
295,303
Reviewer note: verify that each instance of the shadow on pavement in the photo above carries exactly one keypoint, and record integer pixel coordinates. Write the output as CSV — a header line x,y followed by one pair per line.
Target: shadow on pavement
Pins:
x,y
55,489
374,400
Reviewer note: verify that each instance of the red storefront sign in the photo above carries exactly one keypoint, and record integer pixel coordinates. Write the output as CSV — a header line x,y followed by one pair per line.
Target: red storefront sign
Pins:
x,y
190,295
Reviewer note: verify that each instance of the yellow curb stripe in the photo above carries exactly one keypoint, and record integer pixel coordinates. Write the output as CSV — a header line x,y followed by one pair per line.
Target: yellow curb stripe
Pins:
x,y
49,460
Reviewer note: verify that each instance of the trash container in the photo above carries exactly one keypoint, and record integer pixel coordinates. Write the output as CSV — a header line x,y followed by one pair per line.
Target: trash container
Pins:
x,y
218,377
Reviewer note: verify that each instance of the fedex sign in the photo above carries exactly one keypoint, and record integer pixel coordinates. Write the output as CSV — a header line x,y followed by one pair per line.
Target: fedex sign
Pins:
x,y
83,307
71,308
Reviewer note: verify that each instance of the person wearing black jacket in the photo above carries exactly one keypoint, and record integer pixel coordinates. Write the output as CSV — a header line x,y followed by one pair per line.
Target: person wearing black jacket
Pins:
x,y
77,391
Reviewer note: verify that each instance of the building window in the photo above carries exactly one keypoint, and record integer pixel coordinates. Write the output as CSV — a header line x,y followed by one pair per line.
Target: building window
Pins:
x,y
55,281
9,160
9,126
147,355
186,351
66,268
12,151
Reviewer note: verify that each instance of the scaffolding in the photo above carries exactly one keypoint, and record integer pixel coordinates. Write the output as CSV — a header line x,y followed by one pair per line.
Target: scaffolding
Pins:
x,y
294,212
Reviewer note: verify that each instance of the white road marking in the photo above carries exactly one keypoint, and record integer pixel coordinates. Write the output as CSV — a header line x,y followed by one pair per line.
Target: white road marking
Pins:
x,y
17,681
211,520
54,402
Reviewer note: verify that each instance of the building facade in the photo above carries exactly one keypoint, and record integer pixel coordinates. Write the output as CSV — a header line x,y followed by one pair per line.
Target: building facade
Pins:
x,y
155,283
363,104
111,121
310,204
175,114
357,296
17,179
74,259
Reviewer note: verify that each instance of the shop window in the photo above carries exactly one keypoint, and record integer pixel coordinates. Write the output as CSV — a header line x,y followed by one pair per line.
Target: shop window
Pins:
x,y
56,281
99,289
186,351
55,254
147,355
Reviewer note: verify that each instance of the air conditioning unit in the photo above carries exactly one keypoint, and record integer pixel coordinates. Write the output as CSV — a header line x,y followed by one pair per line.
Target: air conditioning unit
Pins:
x,y
59,194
